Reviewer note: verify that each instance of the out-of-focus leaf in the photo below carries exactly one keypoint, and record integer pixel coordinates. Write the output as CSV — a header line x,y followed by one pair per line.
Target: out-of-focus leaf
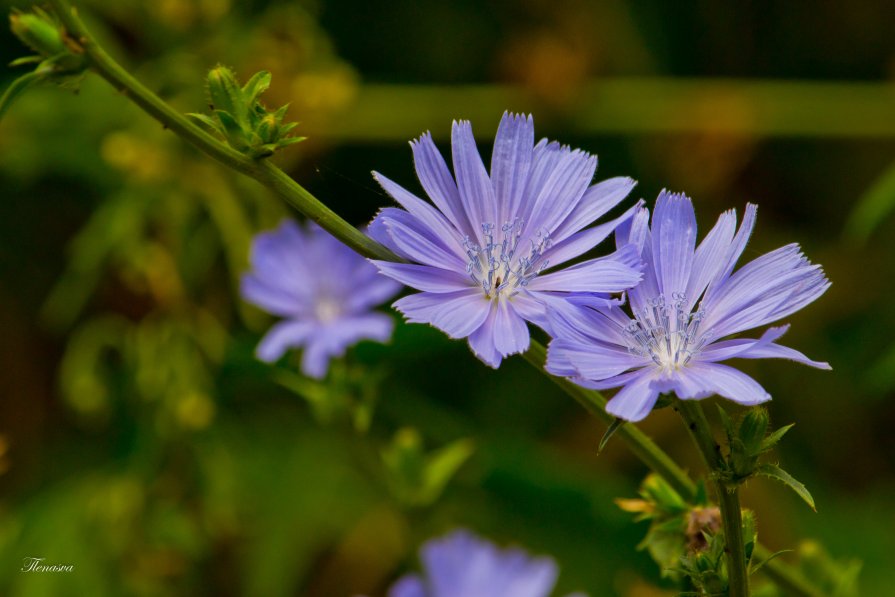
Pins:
x,y
16,88
873,207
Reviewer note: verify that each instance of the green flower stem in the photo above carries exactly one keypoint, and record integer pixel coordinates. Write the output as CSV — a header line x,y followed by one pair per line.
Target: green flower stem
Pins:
x,y
297,196
728,497
261,170
643,447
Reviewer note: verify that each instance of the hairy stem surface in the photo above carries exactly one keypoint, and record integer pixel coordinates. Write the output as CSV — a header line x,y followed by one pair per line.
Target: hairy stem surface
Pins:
x,y
728,497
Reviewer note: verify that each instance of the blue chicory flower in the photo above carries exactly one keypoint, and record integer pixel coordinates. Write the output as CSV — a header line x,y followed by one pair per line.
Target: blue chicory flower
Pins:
x,y
324,290
464,565
486,256
671,344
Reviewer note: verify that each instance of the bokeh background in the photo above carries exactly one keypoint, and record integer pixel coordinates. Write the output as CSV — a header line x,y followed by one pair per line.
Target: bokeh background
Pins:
x,y
140,440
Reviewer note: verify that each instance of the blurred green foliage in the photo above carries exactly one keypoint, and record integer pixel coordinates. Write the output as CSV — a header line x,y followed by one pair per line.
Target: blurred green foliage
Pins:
x,y
143,444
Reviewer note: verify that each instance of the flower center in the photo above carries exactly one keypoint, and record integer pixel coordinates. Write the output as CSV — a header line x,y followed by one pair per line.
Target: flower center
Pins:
x,y
327,310
666,333
497,266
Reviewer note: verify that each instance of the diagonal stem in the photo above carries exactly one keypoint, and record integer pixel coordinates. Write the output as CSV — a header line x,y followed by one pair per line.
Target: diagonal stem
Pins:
x,y
728,496
298,197
261,170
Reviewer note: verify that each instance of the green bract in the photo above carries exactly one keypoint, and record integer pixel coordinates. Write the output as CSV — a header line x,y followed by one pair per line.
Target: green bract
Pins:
x,y
240,118
748,439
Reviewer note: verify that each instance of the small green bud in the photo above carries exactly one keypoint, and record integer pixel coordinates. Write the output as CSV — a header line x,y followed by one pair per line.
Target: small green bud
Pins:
x,y
224,92
241,119
753,428
38,31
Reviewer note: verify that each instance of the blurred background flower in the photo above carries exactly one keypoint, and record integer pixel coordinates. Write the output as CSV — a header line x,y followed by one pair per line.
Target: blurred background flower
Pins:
x,y
144,443
324,290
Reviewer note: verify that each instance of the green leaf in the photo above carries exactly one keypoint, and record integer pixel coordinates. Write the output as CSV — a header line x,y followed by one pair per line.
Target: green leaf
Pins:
x,y
258,84
873,207
701,496
234,132
610,431
775,472
16,88
774,438
759,565
205,119
290,141
442,465
725,421
26,60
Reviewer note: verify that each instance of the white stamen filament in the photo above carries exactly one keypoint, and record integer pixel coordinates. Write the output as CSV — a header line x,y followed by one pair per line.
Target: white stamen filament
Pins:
x,y
496,266
666,333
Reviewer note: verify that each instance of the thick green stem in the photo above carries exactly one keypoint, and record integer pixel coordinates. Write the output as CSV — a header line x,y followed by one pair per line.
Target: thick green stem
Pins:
x,y
728,497
297,196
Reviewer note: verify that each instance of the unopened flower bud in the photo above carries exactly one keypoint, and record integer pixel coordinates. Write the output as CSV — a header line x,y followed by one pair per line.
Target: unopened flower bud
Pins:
x,y
38,32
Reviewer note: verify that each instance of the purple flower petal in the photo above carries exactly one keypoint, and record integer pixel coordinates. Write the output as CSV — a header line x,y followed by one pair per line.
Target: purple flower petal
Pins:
x,y
763,348
595,203
457,314
333,339
283,336
496,233
481,341
674,239
668,345
764,290
510,332
473,182
408,586
462,564
736,249
730,349
581,242
709,258
636,399
715,378
272,298
559,178
324,289
418,242
436,179
592,360
423,277
612,273
585,325
636,232
436,227
511,163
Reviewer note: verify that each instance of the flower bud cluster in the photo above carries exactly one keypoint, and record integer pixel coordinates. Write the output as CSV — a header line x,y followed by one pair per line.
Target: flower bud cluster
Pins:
x,y
241,119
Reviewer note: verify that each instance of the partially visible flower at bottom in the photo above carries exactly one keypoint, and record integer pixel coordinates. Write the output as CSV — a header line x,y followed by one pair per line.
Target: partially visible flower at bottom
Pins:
x,y
464,565
324,290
